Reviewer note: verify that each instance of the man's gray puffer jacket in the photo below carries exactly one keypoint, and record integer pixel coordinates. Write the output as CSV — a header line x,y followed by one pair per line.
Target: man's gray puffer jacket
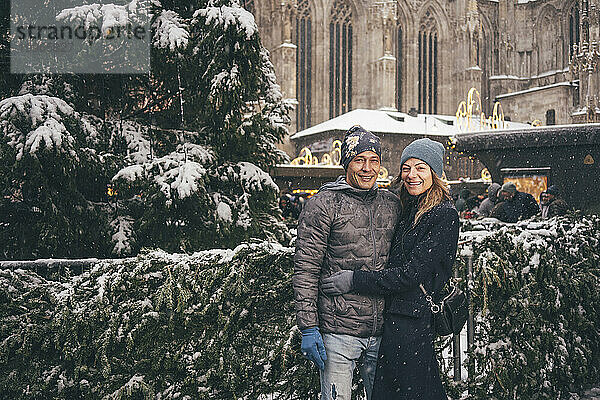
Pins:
x,y
342,228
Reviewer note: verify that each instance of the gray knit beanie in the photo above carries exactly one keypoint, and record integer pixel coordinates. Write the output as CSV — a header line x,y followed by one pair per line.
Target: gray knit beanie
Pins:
x,y
509,187
428,150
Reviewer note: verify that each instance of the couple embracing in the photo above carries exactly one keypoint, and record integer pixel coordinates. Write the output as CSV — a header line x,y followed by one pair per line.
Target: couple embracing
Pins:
x,y
361,255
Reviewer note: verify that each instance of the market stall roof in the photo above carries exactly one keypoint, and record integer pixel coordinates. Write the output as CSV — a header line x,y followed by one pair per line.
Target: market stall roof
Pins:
x,y
543,136
387,121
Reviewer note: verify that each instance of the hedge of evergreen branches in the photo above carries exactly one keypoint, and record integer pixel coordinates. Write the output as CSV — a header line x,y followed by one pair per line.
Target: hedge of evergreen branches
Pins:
x,y
214,325
537,305
219,324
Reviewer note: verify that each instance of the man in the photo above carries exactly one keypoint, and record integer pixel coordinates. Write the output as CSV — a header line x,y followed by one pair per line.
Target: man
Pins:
x,y
551,205
514,205
486,206
347,225
296,205
285,205
461,202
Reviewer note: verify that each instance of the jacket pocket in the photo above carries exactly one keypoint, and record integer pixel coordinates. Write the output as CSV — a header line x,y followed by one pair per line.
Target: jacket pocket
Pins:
x,y
340,305
409,308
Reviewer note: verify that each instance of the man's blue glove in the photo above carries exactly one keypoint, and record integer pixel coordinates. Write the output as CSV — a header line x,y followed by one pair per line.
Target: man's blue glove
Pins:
x,y
313,347
338,283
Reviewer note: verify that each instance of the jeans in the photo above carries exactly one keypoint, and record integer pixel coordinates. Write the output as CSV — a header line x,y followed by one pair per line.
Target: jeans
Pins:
x,y
343,352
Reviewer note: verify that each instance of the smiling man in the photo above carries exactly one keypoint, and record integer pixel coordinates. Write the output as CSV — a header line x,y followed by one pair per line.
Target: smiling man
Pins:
x,y
347,225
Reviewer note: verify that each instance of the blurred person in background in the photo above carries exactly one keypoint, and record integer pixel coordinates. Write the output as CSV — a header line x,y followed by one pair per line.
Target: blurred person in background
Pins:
x,y
551,204
486,206
514,205
461,202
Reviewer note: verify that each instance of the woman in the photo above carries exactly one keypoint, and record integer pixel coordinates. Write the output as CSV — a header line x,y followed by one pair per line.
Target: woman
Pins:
x,y
423,253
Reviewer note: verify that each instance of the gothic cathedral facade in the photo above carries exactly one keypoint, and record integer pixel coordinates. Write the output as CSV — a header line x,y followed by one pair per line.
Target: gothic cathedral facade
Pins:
x,y
332,56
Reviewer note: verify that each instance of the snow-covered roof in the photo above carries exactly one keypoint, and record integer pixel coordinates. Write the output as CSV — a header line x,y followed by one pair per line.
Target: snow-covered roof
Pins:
x,y
535,89
541,136
527,78
388,121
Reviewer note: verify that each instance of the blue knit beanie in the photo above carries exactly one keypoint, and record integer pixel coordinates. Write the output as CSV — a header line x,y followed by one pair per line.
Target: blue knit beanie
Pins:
x,y
358,140
428,150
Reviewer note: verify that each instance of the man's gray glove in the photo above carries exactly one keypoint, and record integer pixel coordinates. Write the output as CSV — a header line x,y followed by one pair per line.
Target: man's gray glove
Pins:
x,y
338,283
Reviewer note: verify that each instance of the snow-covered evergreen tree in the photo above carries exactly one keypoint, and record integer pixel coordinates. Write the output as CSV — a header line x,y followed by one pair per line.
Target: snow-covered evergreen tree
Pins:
x,y
216,84
535,297
187,146
51,164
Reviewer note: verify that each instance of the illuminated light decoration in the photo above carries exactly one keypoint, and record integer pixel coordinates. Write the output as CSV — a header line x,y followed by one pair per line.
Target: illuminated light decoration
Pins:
x,y
470,109
485,175
110,191
332,158
470,117
383,174
309,192
496,121
305,158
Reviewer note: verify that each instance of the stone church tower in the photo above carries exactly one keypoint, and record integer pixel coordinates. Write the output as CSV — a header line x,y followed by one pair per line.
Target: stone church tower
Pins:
x,y
332,56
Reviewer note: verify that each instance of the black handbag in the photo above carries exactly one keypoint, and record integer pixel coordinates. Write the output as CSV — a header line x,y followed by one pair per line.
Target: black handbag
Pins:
x,y
450,315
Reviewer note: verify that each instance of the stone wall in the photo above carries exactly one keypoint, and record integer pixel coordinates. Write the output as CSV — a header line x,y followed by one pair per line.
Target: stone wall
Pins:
x,y
533,104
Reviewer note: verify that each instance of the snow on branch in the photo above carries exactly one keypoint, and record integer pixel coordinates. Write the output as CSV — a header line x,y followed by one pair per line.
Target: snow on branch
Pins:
x,y
44,119
136,137
225,82
184,180
226,16
255,179
170,31
273,90
178,174
107,16
130,173
122,237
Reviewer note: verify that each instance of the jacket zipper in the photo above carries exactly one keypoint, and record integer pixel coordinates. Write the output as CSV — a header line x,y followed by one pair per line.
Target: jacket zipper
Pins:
x,y
375,314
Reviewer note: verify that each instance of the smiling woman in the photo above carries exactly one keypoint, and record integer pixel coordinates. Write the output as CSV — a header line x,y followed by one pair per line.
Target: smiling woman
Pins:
x,y
416,175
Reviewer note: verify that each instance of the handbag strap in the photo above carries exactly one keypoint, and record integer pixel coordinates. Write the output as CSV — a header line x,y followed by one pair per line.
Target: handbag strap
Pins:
x,y
436,308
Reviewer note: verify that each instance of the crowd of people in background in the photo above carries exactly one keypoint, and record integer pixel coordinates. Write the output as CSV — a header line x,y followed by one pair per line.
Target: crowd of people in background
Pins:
x,y
508,204
291,206
503,202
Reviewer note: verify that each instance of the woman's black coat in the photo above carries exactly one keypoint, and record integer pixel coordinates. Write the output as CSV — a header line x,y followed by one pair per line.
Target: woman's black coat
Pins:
x,y
423,254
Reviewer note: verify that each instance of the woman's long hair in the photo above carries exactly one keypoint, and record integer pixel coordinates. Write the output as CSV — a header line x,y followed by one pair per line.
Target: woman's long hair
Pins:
x,y
436,194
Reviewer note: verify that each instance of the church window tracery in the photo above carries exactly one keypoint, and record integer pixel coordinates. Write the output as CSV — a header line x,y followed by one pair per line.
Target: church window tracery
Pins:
x,y
340,59
428,65
399,69
549,43
303,65
573,28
